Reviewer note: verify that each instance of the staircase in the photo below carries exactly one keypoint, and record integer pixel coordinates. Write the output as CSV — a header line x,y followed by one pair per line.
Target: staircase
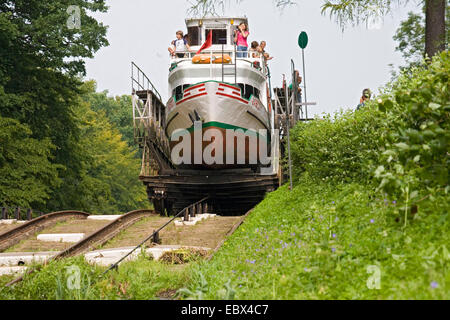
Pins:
x,y
149,114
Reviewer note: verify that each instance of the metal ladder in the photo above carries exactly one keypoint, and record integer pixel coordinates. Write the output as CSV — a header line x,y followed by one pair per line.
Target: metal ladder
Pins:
x,y
233,65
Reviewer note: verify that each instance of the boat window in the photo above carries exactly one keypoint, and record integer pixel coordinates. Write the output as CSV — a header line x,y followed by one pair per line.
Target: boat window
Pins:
x,y
242,86
178,93
219,36
194,36
249,91
256,93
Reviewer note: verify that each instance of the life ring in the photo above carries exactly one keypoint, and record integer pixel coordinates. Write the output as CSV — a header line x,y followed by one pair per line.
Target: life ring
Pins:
x,y
206,59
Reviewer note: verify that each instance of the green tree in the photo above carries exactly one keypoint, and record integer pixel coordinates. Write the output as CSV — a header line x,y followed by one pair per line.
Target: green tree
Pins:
x,y
410,37
360,11
26,172
41,56
107,179
117,110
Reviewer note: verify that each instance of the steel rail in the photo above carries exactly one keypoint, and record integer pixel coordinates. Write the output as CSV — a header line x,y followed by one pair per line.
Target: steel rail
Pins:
x,y
97,238
13,236
114,265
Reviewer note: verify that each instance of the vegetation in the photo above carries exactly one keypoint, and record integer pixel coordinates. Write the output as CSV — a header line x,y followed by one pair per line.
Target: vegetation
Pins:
x,y
410,37
62,146
74,279
368,217
371,199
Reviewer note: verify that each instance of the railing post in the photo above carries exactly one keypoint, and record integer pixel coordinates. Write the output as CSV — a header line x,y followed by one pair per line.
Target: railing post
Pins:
x,y
186,214
200,208
4,213
29,214
193,211
17,213
156,238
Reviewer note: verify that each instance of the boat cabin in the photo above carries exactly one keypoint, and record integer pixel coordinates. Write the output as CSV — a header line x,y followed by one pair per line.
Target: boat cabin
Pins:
x,y
220,62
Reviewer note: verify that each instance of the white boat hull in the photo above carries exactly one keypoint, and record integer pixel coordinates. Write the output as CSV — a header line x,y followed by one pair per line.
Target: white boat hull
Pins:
x,y
217,105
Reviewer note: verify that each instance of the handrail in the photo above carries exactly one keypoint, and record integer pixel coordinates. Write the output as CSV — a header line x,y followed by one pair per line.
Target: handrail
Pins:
x,y
114,265
248,58
144,86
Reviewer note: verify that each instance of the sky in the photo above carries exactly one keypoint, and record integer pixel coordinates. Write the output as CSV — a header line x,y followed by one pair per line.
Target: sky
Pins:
x,y
339,64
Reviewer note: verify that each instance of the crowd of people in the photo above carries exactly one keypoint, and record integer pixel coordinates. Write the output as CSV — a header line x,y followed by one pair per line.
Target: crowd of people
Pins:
x,y
180,45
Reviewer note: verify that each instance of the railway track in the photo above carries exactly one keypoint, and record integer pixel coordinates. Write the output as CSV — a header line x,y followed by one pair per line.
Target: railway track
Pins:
x,y
97,238
109,231
14,236
104,234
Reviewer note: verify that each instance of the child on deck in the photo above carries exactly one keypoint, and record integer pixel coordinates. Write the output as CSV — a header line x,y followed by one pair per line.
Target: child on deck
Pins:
x,y
179,46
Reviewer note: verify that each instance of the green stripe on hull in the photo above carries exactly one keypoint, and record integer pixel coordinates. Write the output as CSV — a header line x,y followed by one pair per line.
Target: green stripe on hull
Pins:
x,y
222,125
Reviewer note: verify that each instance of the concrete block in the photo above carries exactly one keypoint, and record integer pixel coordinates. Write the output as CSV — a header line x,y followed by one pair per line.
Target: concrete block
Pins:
x,y
61,237
104,217
8,221
13,259
107,257
12,270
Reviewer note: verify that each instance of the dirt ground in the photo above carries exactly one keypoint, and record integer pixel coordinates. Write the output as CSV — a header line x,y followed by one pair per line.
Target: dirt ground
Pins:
x,y
70,226
7,227
207,233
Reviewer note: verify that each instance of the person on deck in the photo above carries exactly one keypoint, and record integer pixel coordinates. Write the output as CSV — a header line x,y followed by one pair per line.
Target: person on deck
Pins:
x,y
299,89
366,95
240,38
254,49
179,46
262,50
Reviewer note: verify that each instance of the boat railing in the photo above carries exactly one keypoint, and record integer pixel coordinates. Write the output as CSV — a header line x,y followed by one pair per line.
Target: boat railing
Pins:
x,y
245,56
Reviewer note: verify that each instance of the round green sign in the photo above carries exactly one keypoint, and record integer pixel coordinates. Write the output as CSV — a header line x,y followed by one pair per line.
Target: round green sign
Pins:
x,y
303,40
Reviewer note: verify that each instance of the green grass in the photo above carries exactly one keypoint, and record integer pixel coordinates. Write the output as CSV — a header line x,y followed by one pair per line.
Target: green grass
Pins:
x,y
140,279
319,242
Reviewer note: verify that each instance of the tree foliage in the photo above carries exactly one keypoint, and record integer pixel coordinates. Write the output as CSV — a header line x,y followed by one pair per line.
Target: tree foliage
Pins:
x,y
355,12
410,37
106,179
117,110
27,174
60,142
415,158
398,142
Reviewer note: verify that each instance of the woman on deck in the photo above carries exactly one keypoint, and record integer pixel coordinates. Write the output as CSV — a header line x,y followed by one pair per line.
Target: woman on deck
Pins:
x,y
240,38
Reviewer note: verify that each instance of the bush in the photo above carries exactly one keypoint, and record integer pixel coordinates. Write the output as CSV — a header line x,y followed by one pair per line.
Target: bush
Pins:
x,y
416,157
342,148
401,139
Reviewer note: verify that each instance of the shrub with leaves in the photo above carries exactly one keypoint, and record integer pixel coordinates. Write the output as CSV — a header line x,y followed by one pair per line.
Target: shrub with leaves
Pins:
x,y
416,155
339,148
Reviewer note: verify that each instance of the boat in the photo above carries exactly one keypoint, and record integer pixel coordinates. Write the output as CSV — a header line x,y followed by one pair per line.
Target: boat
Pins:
x,y
214,135
218,88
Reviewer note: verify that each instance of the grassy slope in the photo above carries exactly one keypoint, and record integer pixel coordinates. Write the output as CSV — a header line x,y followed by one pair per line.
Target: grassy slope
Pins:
x,y
315,242
318,241
140,279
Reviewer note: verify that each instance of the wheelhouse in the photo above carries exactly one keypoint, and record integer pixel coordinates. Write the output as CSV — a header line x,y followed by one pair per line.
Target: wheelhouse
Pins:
x,y
220,61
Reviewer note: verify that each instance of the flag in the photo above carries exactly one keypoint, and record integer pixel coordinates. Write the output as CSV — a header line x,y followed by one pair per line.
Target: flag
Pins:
x,y
208,42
